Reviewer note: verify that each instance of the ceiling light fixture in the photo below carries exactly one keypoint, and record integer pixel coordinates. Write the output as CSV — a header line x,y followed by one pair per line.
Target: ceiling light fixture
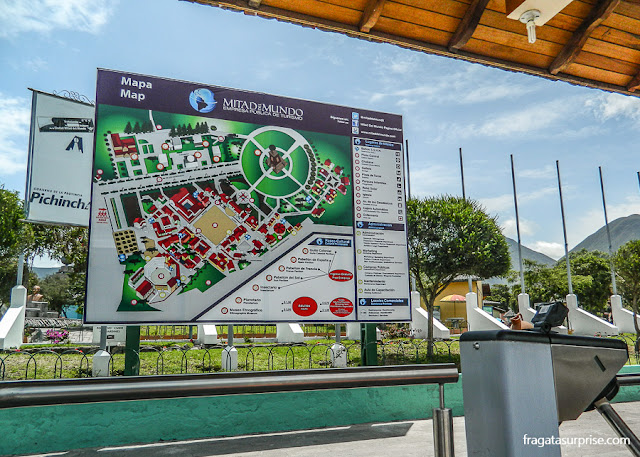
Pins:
x,y
534,13
529,19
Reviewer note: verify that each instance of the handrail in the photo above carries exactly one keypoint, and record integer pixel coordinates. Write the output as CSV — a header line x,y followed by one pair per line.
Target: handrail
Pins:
x,y
66,391
628,379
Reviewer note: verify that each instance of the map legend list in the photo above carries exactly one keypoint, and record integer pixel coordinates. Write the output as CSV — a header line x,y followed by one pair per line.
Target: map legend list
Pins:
x,y
380,231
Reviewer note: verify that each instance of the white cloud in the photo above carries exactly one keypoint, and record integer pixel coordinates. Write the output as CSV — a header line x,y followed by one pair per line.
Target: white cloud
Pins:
x,y
465,85
553,250
504,202
538,173
510,229
15,117
490,93
431,180
36,64
497,204
45,262
614,106
402,63
537,120
19,16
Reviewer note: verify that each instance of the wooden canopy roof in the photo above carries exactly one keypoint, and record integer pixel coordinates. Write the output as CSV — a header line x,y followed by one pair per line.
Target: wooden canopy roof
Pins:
x,y
593,43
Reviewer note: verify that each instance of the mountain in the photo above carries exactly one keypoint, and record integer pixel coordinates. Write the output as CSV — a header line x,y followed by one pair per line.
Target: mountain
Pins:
x,y
622,230
43,272
527,253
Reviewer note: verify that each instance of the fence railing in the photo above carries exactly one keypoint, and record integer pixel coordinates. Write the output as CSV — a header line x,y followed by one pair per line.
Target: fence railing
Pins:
x,y
47,392
64,362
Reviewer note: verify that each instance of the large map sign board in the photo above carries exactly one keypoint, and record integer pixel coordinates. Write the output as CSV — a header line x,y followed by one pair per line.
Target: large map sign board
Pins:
x,y
60,155
220,205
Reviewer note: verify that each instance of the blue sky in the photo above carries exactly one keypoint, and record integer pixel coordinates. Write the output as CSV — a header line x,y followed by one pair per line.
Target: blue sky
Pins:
x,y
446,104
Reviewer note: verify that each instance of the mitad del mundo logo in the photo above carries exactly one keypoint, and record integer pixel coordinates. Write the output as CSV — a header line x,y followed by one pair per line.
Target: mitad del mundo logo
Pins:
x,y
202,100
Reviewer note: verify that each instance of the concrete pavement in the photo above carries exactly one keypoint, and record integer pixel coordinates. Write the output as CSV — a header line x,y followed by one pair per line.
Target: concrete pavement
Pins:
x,y
397,439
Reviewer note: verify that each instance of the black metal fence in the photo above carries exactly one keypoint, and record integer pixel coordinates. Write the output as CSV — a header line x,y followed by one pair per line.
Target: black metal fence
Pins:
x,y
63,362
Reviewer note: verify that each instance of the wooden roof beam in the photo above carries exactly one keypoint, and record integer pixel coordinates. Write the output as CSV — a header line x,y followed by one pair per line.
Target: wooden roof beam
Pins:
x,y
468,24
634,84
371,15
598,14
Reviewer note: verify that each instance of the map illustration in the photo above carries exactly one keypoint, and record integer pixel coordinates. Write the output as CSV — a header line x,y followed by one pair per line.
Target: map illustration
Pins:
x,y
192,202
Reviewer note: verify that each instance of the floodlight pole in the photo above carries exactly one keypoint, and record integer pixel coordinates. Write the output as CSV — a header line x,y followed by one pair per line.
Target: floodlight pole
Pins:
x,y
408,176
564,230
515,204
464,197
606,223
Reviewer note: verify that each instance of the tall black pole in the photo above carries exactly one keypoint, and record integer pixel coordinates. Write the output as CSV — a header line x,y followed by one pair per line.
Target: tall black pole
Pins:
x,y
515,204
564,230
464,197
606,223
408,177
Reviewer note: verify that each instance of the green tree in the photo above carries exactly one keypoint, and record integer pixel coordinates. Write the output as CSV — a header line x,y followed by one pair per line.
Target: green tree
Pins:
x,y
448,237
69,245
128,129
11,229
627,265
17,237
501,293
543,283
590,276
56,290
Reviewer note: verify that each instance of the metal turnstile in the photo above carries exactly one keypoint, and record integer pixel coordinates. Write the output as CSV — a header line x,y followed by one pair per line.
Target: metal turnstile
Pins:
x,y
518,386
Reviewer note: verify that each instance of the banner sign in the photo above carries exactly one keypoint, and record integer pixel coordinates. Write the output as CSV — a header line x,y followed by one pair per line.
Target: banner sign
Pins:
x,y
220,205
60,157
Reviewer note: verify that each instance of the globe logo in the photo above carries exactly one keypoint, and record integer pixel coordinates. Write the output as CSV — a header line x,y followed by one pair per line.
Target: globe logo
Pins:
x,y
202,100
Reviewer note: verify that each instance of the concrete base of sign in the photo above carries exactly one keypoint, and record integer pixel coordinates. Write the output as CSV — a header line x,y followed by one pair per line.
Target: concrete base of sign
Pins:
x,y
100,366
207,334
585,323
622,318
12,323
229,359
289,333
478,319
420,322
338,356
353,331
